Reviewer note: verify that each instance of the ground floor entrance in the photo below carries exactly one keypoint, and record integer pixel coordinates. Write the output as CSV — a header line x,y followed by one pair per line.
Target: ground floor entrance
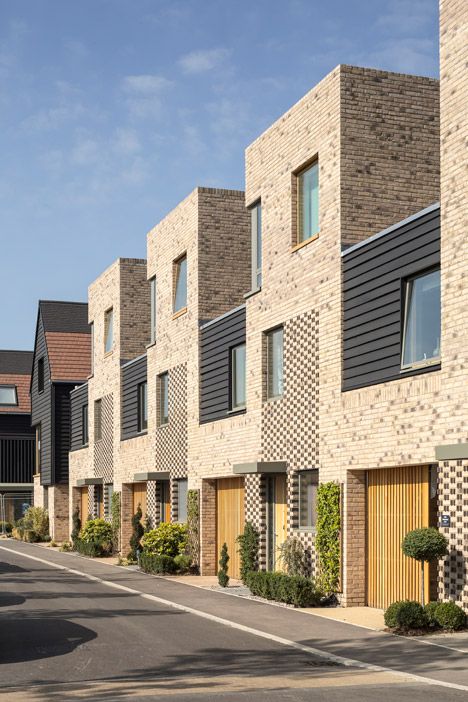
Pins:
x,y
230,519
84,505
277,511
139,499
398,500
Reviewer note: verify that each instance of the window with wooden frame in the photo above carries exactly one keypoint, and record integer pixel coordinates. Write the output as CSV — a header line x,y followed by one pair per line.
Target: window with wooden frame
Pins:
x,y
421,320
142,407
274,360
308,484
84,426
238,377
163,399
153,310
97,420
256,244
180,284
108,330
307,203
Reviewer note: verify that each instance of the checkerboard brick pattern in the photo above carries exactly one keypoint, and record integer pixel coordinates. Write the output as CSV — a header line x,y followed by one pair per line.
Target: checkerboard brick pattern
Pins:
x,y
453,500
104,449
171,439
255,510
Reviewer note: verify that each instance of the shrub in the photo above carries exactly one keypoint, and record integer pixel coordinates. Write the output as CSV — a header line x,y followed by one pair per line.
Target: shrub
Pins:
x,y
96,530
248,550
66,547
166,540
76,522
450,616
17,532
115,519
6,527
137,533
327,540
430,610
182,562
292,556
291,589
405,615
157,563
223,577
36,519
424,545
193,527
95,549
31,536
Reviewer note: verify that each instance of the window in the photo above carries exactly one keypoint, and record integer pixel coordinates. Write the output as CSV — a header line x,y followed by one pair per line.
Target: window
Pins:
x,y
275,363
143,406
40,375
108,330
182,500
108,491
421,324
308,203
163,398
308,482
153,309
8,395
238,377
180,294
84,425
38,450
97,420
92,347
256,233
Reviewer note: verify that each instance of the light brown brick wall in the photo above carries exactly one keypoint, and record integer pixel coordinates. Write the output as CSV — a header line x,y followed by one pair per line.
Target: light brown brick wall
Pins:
x,y
58,507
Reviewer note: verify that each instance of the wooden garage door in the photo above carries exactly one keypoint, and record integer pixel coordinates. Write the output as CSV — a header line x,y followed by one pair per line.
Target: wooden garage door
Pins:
x,y
230,519
139,498
84,506
397,501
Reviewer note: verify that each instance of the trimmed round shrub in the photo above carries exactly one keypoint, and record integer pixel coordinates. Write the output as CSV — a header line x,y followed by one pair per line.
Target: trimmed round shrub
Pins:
x,y
427,544
405,616
430,610
96,531
296,590
182,562
158,564
166,540
450,616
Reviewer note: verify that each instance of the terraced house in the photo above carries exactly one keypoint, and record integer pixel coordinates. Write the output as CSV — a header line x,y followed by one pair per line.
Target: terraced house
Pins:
x,y
307,331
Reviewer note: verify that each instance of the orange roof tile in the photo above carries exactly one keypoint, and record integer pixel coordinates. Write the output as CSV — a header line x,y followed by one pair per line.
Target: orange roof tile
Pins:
x,y
69,355
22,389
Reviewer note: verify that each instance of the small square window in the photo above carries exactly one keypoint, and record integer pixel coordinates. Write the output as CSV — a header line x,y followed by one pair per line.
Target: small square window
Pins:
x,y
308,203
238,377
180,279
84,425
163,404
275,363
8,395
143,406
40,375
108,330
97,420
308,483
421,323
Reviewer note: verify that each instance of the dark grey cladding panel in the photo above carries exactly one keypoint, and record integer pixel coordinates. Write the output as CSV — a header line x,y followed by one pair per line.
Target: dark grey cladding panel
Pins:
x,y
78,398
62,430
41,406
216,340
373,276
133,374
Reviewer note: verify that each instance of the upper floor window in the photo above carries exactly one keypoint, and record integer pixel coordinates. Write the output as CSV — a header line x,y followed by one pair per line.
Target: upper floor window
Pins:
x,y
308,484
143,406
275,363
180,280
421,322
108,330
153,309
256,233
38,449
40,375
308,203
84,425
97,420
163,404
92,347
238,377
8,395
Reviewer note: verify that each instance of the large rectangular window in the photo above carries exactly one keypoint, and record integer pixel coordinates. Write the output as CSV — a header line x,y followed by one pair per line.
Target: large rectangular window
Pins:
x,y
84,425
153,309
308,203
40,375
143,406
238,377
108,330
421,324
38,449
8,395
256,233
163,404
275,363
97,420
180,284
308,483
182,491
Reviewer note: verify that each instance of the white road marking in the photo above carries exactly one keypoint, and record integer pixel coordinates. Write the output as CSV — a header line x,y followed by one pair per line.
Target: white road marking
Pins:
x,y
341,660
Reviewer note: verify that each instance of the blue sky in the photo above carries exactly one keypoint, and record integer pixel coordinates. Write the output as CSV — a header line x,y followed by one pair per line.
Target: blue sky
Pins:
x,y
111,111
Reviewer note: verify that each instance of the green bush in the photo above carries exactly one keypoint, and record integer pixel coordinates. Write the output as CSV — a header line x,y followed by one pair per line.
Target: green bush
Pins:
x,y
449,616
6,527
157,563
291,589
166,540
36,519
327,539
248,550
223,577
95,549
31,536
405,615
193,528
183,562
17,532
430,610
426,544
292,556
76,524
137,533
97,531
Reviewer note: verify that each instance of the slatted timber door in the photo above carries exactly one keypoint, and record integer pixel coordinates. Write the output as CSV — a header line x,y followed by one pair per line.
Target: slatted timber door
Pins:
x,y
230,519
281,516
397,502
139,498
84,506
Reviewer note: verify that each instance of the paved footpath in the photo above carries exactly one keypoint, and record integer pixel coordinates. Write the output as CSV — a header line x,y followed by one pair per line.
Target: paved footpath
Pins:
x,y
121,627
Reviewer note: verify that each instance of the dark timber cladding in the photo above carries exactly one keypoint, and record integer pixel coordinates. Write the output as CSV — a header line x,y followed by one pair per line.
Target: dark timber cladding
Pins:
x,y
78,398
373,276
217,339
41,403
133,373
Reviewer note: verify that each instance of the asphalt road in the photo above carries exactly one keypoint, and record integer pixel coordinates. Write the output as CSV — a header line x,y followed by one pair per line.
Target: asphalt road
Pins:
x,y
64,637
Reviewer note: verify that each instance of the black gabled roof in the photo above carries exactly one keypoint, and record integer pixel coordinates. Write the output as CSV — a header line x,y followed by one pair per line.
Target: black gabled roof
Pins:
x,y
64,316
16,362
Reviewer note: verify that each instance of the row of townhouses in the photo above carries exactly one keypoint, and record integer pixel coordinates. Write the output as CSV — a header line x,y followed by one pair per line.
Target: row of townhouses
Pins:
x,y
310,329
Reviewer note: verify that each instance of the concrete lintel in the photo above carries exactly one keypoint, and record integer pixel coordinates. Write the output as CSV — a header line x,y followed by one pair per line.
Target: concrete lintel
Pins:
x,y
83,482
451,452
151,475
259,467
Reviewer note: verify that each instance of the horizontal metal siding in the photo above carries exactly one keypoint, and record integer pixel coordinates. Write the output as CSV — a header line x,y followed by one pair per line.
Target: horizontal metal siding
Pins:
x,y
132,375
16,459
78,399
373,278
216,340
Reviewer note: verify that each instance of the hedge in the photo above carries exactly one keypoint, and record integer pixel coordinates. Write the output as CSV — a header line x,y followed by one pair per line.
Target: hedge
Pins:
x,y
95,549
291,589
158,564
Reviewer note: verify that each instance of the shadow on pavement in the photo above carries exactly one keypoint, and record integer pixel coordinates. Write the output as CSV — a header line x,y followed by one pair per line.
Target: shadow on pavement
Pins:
x,y
27,639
